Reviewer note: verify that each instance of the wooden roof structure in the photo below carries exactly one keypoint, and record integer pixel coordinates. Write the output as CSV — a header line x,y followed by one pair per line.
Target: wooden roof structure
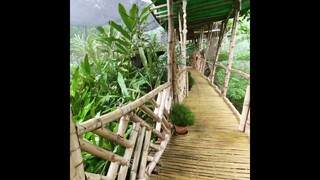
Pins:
x,y
199,12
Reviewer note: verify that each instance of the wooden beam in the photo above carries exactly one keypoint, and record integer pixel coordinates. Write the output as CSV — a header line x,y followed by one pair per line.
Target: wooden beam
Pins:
x,y
107,134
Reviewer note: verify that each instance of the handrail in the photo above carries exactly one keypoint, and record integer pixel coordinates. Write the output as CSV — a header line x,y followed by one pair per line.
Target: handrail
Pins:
x,y
140,134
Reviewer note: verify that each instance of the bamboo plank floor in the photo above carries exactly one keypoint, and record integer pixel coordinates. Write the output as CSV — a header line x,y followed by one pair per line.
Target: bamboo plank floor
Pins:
x,y
214,148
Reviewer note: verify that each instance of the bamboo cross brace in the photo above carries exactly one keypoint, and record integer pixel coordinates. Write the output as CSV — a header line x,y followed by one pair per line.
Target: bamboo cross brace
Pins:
x,y
102,153
136,119
107,134
154,103
150,113
128,153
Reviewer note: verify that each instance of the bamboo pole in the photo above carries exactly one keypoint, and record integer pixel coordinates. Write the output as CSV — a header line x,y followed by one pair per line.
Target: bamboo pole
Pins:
x,y
128,152
245,109
156,110
174,73
165,122
154,146
223,28
137,153
100,152
150,158
170,45
145,152
72,171
162,12
231,52
76,160
107,134
157,155
150,113
247,128
137,119
114,166
154,103
100,121
91,176
183,47
160,112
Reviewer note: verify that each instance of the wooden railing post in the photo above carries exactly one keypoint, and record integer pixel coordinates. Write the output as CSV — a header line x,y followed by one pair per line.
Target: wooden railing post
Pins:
x,y
245,109
76,161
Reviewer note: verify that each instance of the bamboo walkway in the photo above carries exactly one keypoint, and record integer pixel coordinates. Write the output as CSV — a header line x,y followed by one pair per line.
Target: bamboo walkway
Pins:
x,y
214,148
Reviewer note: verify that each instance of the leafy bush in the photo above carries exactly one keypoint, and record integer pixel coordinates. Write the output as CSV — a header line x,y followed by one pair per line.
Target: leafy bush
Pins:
x,y
191,81
181,115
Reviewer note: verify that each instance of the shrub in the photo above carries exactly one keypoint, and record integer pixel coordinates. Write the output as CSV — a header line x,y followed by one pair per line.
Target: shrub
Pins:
x,y
181,115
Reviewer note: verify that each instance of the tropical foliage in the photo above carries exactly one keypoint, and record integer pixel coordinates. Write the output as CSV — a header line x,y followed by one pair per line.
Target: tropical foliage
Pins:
x,y
104,75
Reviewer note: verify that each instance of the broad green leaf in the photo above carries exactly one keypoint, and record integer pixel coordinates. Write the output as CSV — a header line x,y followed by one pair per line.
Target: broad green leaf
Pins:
x,y
86,64
133,14
125,18
86,110
120,29
143,58
122,85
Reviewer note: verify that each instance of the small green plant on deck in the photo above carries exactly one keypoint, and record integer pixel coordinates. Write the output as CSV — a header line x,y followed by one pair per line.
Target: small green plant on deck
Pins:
x,y
181,115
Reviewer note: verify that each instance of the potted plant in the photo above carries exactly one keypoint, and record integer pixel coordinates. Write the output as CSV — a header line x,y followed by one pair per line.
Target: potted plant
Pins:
x,y
181,116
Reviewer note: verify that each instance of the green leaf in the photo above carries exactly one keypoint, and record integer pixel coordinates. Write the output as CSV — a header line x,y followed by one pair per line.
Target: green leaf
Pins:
x,y
100,29
146,9
143,58
122,85
120,29
86,64
125,18
121,48
133,14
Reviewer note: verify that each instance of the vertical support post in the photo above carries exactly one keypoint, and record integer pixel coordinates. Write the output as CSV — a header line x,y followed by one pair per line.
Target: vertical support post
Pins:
x,y
231,50
76,161
114,166
245,109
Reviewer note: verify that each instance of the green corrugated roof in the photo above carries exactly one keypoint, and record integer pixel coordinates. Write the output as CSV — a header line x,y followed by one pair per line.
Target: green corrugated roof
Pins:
x,y
201,12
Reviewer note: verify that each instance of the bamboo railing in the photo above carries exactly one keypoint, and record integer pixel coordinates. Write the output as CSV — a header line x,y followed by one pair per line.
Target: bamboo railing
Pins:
x,y
138,148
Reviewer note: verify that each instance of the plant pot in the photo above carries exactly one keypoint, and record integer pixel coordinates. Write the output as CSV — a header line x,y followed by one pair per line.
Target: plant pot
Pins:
x,y
181,130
